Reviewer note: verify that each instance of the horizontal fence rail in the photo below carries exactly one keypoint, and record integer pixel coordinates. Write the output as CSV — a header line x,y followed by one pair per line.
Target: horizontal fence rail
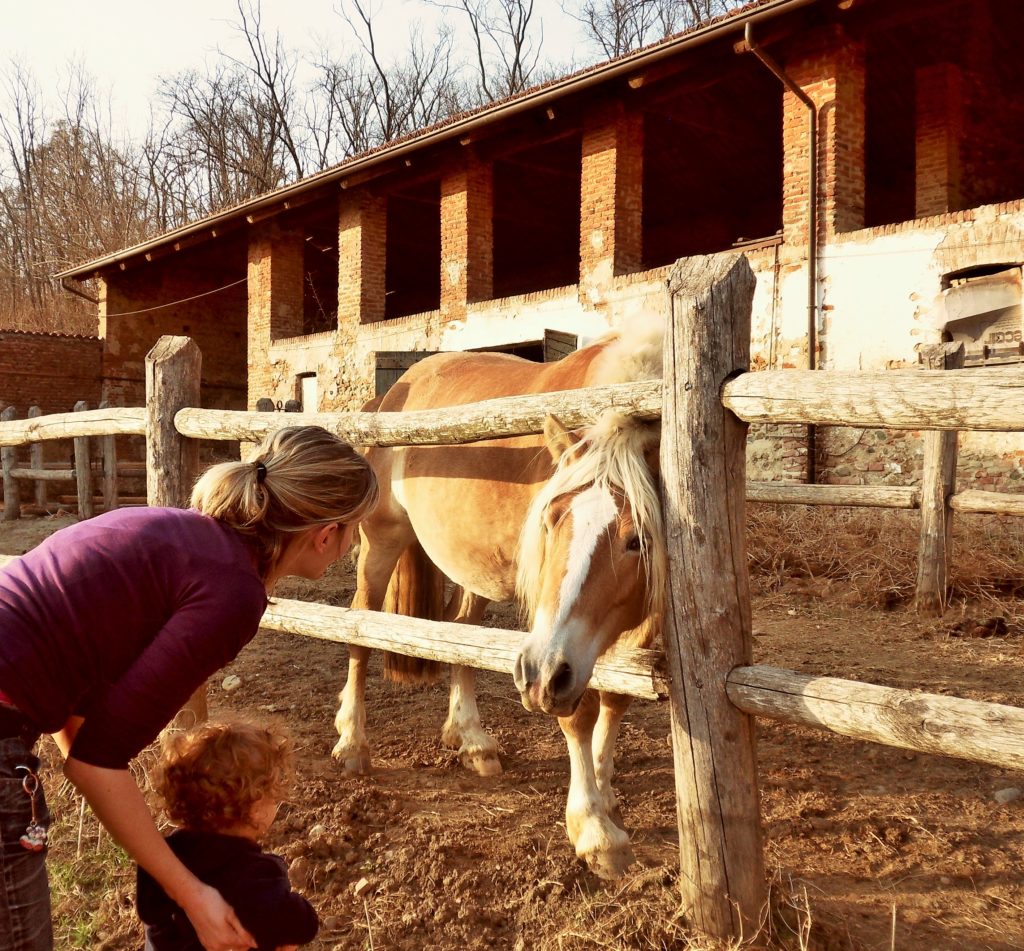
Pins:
x,y
992,400
116,421
487,419
928,723
633,671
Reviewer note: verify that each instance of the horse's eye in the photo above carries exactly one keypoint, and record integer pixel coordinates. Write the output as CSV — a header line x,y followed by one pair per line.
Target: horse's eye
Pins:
x,y
633,544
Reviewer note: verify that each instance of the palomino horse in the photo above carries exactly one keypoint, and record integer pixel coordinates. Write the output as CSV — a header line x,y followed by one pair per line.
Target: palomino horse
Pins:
x,y
571,520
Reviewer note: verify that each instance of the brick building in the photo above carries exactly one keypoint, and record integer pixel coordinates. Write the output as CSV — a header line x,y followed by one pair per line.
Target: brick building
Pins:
x,y
864,153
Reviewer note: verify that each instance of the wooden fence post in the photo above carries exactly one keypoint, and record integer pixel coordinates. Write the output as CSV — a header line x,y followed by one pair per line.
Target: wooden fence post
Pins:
x,y
108,451
37,461
173,369
707,630
173,373
83,470
938,483
9,461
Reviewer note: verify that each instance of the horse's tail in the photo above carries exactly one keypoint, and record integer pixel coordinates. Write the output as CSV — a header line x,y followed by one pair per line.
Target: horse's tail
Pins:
x,y
416,589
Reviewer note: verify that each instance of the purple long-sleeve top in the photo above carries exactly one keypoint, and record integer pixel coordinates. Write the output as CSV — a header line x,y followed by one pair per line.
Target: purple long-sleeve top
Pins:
x,y
119,619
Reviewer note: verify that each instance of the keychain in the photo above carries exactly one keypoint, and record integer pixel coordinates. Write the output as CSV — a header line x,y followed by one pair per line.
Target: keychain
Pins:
x,y
34,838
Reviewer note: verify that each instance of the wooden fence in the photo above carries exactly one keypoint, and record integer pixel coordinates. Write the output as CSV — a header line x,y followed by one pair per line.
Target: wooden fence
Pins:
x,y
706,670
91,468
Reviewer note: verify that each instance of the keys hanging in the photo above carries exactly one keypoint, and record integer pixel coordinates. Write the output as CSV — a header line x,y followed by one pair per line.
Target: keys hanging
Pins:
x,y
34,838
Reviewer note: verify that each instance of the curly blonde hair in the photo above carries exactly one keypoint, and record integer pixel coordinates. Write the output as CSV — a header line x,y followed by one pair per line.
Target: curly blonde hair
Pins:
x,y
210,777
301,476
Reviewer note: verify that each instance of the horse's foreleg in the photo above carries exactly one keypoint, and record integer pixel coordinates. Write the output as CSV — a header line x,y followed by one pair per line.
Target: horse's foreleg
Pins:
x,y
613,708
352,750
378,555
597,839
463,731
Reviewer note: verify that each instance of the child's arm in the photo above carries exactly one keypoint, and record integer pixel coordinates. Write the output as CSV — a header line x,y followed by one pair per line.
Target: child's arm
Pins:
x,y
119,805
266,904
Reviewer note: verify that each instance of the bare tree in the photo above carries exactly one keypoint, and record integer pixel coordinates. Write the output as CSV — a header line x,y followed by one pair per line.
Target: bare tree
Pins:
x,y
507,43
616,27
371,100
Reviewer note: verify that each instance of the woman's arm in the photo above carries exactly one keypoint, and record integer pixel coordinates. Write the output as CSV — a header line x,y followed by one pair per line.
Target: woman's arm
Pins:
x,y
118,803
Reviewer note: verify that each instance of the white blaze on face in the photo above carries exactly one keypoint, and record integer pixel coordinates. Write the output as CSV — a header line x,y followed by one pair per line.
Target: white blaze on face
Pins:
x,y
592,513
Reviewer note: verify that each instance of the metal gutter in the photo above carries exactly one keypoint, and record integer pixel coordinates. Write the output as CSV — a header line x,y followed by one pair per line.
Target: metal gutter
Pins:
x,y
812,225
614,69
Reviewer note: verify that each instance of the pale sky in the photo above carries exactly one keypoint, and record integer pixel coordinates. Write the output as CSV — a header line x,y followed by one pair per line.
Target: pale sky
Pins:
x,y
125,45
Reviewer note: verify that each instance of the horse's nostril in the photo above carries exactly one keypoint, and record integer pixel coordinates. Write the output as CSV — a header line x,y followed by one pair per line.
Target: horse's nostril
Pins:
x,y
562,681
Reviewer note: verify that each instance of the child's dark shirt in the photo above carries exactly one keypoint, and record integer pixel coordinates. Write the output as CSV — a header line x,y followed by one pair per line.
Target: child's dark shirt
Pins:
x,y
253,882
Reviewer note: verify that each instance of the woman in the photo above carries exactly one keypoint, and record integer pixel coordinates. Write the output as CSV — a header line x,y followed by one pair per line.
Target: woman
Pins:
x,y
110,625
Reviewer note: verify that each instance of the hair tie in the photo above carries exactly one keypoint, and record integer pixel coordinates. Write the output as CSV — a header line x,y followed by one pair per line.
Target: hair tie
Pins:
x,y
261,473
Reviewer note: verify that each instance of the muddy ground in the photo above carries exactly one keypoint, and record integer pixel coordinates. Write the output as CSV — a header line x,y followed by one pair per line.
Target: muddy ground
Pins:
x,y
886,848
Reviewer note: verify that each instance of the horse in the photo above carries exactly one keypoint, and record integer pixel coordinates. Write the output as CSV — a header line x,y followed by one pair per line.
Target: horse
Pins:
x,y
569,521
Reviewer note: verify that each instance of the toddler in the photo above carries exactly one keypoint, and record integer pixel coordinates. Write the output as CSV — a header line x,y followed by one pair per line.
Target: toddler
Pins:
x,y
221,784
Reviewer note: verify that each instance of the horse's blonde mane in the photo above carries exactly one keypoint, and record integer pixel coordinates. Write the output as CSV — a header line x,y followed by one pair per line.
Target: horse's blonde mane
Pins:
x,y
632,352
610,455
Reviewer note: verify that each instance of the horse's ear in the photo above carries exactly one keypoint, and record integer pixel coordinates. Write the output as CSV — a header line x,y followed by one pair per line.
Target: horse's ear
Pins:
x,y
559,440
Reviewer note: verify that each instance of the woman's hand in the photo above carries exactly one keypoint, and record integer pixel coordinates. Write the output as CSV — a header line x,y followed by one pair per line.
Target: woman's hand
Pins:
x,y
215,921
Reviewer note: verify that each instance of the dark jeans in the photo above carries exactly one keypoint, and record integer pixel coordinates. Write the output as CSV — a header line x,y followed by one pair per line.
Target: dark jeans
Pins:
x,y
25,893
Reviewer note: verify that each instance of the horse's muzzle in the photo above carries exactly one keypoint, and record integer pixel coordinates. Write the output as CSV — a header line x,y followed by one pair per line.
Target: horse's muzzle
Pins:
x,y
549,688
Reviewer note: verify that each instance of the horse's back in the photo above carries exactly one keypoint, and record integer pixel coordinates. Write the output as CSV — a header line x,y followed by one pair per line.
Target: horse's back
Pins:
x,y
457,378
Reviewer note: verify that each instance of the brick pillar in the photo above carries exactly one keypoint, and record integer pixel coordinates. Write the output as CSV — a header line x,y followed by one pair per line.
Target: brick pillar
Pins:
x,y
831,73
612,198
362,235
275,299
467,238
938,139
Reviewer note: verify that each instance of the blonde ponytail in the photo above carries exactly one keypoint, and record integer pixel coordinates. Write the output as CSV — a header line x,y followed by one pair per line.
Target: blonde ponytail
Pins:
x,y
301,476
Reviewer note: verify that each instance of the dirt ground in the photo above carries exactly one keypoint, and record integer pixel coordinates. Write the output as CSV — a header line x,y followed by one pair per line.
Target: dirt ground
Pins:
x,y
869,847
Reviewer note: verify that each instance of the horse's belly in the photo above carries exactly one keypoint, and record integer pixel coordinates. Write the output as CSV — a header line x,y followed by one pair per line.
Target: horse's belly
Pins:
x,y
468,526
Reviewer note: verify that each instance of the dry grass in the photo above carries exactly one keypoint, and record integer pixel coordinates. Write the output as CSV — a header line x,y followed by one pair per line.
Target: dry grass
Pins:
x,y
869,556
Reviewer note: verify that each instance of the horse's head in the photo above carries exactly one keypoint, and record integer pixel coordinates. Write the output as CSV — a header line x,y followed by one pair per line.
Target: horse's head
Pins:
x,y
591,557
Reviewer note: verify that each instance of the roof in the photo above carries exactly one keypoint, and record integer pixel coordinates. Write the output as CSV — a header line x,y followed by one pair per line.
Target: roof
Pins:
x,y
451,128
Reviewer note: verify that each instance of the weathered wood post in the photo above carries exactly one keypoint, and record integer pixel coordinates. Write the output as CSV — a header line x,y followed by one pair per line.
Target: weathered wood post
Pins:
x,y
108,452
83,470
9,461
938,483
37,461
707,629
173,373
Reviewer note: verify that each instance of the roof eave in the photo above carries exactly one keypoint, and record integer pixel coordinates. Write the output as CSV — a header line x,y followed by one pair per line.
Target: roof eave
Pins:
x,y
459,128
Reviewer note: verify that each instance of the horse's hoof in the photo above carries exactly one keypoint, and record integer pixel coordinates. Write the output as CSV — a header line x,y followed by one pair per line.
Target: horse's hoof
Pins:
x,y
610,864
483,764
352,762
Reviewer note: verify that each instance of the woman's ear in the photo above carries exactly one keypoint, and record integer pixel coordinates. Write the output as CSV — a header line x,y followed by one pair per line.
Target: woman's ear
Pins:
x,y
323,535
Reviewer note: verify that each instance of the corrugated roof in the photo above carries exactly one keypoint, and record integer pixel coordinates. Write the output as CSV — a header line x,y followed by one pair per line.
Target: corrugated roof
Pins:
x,y
454,126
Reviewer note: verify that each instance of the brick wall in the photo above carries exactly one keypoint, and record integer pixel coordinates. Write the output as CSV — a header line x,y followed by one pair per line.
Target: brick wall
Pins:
x,y
467,238
275,291
938,138
829,67
362,229
171,296
612,198
49,371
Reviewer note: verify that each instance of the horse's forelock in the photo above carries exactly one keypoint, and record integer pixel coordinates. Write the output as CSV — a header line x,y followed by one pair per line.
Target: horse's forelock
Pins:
x,y
611,454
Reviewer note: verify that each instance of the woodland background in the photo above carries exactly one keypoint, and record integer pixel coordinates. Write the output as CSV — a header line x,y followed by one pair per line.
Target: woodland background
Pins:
x,y
74,187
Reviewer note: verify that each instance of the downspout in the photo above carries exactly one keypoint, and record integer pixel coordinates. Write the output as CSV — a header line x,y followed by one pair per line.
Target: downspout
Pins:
x,y
812,226
71,289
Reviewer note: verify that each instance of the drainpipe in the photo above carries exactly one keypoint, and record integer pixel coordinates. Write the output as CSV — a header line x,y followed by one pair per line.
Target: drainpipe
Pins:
x,y
812,226
78,292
